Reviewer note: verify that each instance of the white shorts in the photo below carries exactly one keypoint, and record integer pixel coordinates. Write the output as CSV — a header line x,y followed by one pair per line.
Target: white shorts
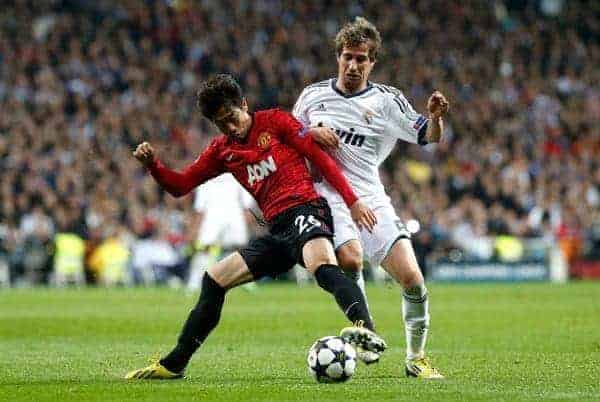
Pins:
x,y
224,231
378,244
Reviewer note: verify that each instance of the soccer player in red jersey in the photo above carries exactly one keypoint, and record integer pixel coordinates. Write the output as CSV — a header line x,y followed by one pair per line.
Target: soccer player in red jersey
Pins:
x,y
265,151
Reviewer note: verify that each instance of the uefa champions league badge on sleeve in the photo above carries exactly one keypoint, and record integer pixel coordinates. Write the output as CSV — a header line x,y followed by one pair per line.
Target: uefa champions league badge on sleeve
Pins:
x,y
303,131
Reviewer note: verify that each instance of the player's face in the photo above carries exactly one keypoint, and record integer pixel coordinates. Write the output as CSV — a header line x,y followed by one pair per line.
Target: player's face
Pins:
x,y
234,121
354,67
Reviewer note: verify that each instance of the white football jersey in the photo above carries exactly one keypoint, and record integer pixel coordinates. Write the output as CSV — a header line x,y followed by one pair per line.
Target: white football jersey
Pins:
x,y
368,123
223,196
223,201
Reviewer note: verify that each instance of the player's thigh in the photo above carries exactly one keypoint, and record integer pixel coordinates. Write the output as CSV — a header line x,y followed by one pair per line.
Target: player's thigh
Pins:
x,y
308,232
316,252
231,271
269,255
346,239
344,228
377,245
350,255
401,263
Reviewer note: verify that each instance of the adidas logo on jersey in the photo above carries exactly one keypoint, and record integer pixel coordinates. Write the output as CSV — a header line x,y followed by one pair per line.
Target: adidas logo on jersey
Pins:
x,y
260,170
322,107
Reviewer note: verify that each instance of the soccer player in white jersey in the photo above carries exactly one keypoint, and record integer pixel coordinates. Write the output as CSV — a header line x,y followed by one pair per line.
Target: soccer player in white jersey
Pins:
x,y
224,207
368,119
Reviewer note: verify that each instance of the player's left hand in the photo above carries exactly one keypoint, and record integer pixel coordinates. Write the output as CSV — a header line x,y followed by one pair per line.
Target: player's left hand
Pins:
x,y
363,216
325,137
437,105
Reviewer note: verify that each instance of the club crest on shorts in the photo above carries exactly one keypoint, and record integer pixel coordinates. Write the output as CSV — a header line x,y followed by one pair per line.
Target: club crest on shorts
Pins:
x,y
264,139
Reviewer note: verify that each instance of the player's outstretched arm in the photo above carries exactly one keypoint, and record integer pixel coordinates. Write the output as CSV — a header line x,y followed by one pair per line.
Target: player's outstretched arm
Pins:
x,y
178,183
361,214
325,137
437,106
301,139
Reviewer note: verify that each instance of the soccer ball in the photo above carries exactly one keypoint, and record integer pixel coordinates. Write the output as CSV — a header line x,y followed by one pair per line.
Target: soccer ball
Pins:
x,y
331,359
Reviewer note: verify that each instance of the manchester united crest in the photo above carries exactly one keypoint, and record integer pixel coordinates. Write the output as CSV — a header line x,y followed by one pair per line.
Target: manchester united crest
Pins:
x,y
264,139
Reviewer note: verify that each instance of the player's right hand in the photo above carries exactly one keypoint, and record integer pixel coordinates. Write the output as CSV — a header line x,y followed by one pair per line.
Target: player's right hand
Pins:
x,y
145,154
363,216
325,136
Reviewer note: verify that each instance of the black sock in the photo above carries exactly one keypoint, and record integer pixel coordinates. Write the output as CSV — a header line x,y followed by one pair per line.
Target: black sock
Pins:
x,y
346,292
200,322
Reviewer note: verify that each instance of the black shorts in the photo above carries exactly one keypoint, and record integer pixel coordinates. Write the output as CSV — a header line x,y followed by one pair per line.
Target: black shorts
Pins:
x,y
281,249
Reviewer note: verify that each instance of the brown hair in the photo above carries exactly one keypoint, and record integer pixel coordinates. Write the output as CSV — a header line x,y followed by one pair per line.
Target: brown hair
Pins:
x,y
356,33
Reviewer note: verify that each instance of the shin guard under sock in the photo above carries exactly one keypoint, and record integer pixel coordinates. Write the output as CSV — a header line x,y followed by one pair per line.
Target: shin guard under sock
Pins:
x,y
346,292
200,322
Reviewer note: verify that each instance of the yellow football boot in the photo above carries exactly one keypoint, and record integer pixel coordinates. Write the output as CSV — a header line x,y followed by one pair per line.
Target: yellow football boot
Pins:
x,y
154,371
422,368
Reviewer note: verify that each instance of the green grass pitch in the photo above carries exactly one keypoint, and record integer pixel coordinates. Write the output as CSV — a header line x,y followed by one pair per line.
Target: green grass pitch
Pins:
x,y
493,342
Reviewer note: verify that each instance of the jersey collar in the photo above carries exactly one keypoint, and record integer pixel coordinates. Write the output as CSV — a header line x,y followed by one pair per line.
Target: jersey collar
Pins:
x,y
336,89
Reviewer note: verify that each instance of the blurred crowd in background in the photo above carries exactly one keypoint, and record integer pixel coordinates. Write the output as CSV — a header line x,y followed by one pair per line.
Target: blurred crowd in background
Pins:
x,y
83,82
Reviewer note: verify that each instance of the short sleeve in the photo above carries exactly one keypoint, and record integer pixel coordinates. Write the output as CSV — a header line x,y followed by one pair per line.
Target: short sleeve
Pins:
x,y
300,110
404,122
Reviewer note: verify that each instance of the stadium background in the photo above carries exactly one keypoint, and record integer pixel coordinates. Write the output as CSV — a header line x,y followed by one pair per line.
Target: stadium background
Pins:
x,y
515,180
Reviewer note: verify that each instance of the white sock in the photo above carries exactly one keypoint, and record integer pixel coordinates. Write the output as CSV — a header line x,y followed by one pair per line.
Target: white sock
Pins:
x,y
415,312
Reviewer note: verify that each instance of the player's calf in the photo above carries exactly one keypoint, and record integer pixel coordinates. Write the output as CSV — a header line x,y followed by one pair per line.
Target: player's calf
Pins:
x,y
346,292
203,318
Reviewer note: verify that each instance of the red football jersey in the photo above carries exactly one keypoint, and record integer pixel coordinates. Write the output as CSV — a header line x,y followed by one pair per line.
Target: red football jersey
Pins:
x,y
269,163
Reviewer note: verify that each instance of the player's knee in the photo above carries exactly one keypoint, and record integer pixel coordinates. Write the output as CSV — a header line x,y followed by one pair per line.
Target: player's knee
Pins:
x,y
317,262
317,252
402,265
330,277
230,271
352,265
350,257
210,288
